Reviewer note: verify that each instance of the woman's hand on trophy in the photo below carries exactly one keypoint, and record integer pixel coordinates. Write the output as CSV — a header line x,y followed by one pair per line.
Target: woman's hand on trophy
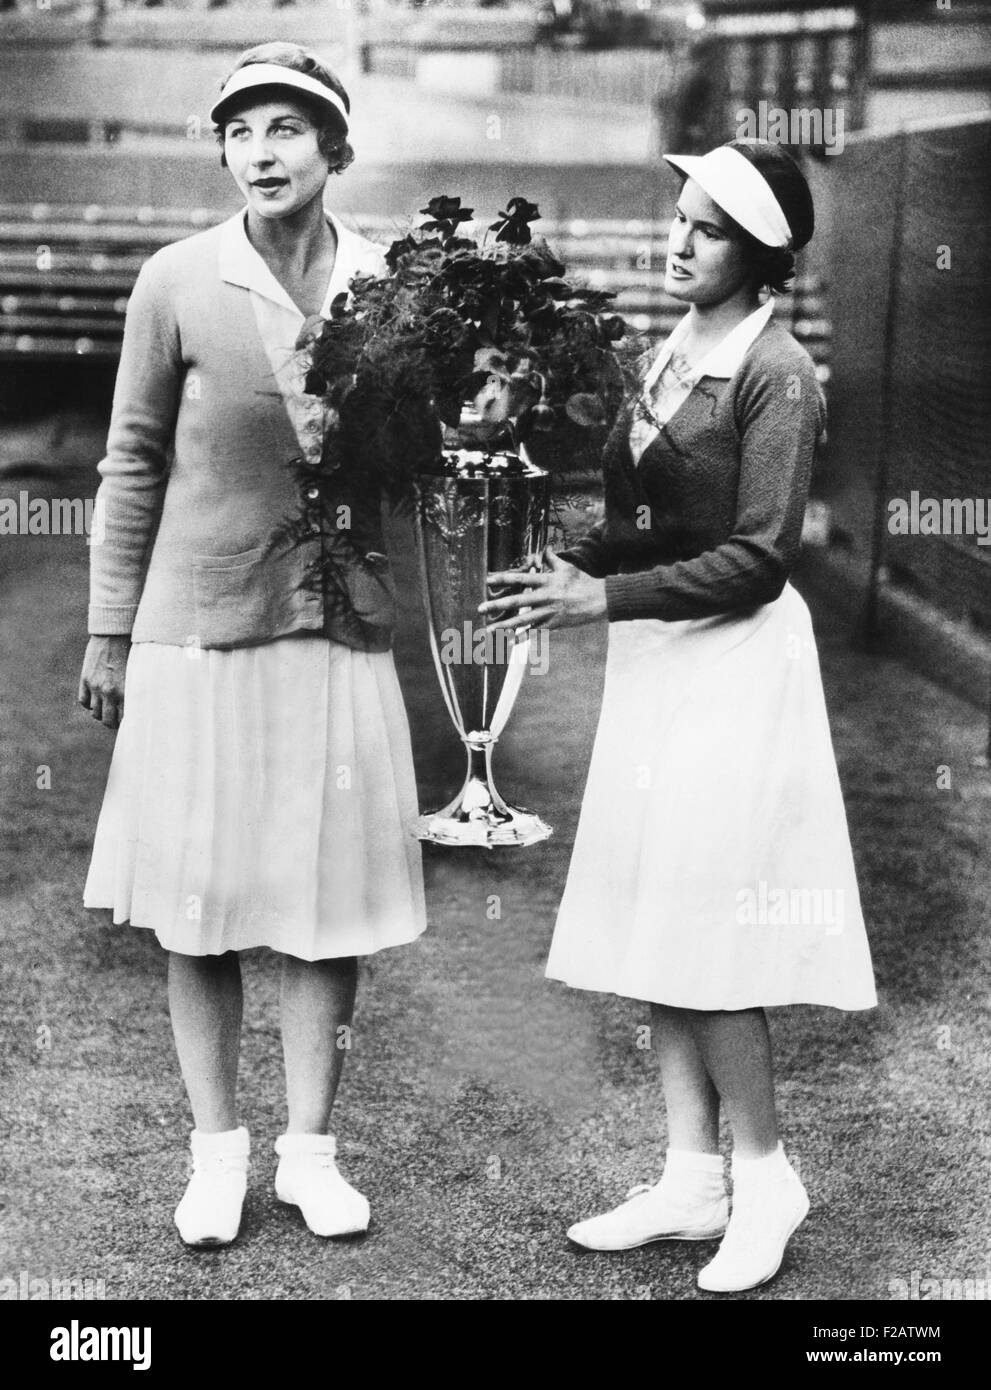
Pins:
x,y
560,595
101,684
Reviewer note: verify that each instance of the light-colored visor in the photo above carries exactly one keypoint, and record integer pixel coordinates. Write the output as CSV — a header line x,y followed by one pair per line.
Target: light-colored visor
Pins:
x,y
275,75
739,189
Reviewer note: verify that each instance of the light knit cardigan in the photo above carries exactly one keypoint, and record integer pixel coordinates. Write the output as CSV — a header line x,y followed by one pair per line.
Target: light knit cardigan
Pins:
x,y
710,518
196,478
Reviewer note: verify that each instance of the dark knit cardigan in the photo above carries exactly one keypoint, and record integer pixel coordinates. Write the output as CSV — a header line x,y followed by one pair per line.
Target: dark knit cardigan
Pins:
x,y
710,520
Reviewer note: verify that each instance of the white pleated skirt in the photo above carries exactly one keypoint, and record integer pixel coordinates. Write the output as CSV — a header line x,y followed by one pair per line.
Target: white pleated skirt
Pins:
x,y
712,866
262,796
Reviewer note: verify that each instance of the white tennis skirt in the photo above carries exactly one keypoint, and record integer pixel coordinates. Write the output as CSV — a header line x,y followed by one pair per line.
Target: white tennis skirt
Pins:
x,y
262,797
712,866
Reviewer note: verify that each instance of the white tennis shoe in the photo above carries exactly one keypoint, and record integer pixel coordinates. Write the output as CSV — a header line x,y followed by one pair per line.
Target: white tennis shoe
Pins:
x,y
308,1177
209,1213
653,1213
765,1217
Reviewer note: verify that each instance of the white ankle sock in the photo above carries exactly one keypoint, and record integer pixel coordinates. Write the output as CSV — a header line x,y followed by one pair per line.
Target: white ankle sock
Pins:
x,y
228,1142
770,1167
296,1145
697,1173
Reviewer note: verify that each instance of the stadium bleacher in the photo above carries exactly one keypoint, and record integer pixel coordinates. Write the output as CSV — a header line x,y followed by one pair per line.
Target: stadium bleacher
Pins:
x,y
66,273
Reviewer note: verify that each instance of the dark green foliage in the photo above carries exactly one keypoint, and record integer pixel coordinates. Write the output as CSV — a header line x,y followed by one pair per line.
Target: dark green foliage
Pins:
x,y
496,324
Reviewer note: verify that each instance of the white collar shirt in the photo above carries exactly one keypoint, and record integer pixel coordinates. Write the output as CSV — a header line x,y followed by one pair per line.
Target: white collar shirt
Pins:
x,y
279,319
664,389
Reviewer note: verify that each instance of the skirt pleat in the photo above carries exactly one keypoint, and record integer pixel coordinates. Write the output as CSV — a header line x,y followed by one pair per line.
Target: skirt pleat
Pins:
x,y
712,866
263,796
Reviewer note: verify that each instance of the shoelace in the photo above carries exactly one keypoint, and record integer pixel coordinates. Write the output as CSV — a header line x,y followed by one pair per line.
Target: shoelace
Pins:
x,y
643,1188
325,1163
218,1167
323,1160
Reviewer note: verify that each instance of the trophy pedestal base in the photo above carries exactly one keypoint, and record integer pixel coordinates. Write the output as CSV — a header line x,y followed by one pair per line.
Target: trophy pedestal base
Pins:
x,y
522,828
479,816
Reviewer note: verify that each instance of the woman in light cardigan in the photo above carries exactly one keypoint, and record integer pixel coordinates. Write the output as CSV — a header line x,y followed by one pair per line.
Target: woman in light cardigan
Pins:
x,y
262,785
712,873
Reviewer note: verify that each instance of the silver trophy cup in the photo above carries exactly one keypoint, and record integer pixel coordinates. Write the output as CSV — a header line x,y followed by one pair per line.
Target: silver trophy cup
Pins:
x,y
489,512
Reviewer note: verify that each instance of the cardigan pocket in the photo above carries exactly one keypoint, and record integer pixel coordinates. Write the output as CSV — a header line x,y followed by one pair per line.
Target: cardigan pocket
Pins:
x,y
373,590
240,599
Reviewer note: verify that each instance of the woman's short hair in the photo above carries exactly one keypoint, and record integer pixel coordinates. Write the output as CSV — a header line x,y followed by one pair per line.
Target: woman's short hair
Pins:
x,y
332,140
774,267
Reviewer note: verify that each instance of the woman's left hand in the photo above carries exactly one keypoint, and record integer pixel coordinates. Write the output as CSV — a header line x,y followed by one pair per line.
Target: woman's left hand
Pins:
x,y
561,595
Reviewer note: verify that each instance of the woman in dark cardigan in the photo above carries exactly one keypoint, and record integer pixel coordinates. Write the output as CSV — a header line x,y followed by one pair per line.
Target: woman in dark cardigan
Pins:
x,y
712,874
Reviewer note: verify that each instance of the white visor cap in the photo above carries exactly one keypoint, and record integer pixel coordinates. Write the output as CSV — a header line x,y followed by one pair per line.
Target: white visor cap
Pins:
x,y
275,75
738,188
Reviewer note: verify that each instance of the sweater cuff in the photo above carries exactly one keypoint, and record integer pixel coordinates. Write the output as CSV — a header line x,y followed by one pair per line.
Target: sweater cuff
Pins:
x,y
111,622
576,556
630,596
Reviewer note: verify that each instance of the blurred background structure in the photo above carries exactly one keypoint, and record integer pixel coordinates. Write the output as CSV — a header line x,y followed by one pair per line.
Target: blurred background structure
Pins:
x,y
106,152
